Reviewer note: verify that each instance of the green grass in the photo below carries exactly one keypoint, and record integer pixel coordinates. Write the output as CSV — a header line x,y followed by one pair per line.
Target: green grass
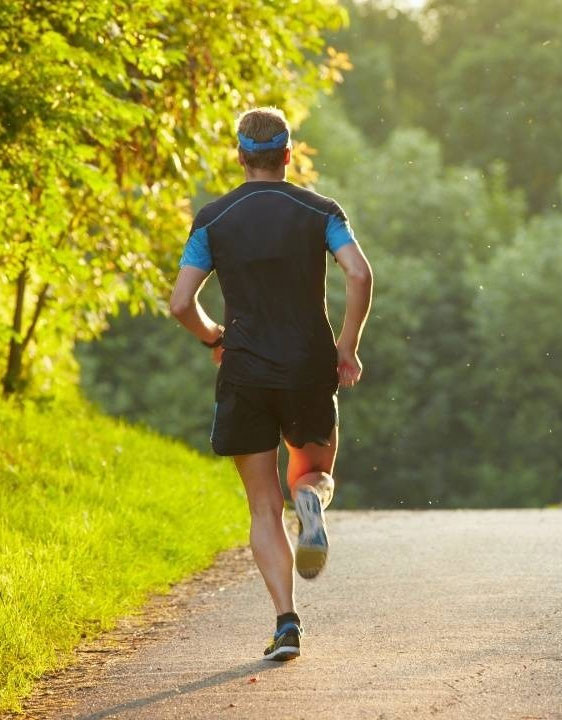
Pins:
x,y
94,515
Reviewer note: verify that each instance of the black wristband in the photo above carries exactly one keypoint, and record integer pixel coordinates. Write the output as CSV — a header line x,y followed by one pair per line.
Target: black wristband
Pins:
x,y
216,343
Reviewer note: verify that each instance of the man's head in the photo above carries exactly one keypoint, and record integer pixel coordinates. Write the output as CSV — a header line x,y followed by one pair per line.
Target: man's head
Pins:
x,y
264,142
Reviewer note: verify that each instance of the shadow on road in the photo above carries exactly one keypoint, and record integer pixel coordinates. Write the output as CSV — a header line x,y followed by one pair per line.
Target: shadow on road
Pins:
x,y
247,669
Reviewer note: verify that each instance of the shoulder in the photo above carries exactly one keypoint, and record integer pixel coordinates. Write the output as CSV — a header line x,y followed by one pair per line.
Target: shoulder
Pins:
x,y
212,210
306,197
322,203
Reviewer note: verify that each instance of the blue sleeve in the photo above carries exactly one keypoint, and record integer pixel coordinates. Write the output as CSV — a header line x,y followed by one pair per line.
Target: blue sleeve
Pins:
x,y
196,251
338,233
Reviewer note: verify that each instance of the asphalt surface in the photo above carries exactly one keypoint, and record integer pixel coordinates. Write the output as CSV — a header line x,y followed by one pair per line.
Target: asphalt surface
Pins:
x,y
418,614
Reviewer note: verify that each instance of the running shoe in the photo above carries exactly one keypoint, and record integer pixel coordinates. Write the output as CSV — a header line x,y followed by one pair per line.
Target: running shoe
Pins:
x,y
312,545
285,644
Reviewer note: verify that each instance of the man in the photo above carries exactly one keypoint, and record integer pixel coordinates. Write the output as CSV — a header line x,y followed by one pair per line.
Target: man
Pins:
x,y
280,366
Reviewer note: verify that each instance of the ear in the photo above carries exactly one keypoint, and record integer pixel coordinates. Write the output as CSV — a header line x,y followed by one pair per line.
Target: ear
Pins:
x,y
241,158
287,156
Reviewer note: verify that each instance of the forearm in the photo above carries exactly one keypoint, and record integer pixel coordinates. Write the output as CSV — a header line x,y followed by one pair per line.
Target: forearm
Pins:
x,y
359,290
195,319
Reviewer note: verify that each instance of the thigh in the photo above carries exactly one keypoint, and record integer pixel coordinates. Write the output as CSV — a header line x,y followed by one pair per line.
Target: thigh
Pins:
x,y
244,421
309,423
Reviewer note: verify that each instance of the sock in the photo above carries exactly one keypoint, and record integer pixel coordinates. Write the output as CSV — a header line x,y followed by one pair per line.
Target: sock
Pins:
x,y
288,617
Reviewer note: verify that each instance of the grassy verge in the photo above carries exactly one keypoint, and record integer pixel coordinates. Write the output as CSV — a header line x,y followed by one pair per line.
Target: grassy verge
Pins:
x,y
94,514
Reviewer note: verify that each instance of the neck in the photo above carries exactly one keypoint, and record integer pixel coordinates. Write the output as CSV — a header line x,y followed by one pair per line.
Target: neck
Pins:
x,y
257,174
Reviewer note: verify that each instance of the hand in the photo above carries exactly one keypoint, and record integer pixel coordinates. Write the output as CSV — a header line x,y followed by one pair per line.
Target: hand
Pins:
x,y
349,367
216,354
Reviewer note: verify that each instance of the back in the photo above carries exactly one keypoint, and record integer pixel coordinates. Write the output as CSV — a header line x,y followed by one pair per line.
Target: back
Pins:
x,y
267,241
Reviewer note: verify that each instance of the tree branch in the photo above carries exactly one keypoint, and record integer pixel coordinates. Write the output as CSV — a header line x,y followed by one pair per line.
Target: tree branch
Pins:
x,y
41,299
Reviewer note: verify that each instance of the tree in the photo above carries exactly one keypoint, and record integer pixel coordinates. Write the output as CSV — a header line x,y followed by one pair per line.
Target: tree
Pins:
x,y
481,76
517,382
393,82
111,115
500,68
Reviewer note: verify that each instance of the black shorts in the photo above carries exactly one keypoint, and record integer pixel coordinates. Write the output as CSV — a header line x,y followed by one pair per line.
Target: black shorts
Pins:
x,y
251,419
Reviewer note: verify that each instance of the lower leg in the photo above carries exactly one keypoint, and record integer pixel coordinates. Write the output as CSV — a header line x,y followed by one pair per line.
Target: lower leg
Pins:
x,y
271,547
310,468
273,553
321,482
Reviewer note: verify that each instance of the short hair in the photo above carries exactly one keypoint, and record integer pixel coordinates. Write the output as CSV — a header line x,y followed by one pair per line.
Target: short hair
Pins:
x,y
261,124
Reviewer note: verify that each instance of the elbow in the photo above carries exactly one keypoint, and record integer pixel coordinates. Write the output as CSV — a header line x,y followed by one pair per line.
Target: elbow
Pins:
x,y
178,307
361,275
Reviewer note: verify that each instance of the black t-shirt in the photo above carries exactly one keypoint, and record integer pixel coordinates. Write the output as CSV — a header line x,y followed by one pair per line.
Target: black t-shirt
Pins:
x,y
267,241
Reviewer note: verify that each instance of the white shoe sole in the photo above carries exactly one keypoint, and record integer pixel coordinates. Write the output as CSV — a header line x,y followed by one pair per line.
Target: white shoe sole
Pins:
x,y
285,652
312,548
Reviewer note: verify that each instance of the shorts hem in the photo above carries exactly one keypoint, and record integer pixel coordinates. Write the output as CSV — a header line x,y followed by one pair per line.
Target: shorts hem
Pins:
x,y
231,452
317,440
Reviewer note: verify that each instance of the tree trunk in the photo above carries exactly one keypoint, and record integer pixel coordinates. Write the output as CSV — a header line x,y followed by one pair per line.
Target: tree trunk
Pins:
x,y
12,377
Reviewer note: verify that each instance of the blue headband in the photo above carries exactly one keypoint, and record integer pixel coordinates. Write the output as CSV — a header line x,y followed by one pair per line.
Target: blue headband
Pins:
x,y
250,145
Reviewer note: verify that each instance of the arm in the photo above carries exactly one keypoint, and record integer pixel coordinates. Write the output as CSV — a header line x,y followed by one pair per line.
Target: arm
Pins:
x,y
359,287
185,306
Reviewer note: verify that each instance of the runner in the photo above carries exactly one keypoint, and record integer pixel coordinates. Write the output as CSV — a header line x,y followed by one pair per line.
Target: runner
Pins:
x,y
280,367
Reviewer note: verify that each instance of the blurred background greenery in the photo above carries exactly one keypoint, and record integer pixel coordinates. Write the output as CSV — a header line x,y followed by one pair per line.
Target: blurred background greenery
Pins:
x,y
437,126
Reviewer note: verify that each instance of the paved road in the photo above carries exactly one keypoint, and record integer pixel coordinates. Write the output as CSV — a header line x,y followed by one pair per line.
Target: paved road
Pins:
x,y
447,614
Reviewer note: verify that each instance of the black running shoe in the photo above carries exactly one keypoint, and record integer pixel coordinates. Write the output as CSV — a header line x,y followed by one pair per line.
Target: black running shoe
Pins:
x,y
312,546
285,644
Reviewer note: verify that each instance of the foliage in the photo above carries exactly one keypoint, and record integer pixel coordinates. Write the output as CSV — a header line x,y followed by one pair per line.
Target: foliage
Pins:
x,y
482,76
110,115
500,72
148,369
518,370
393,80
403,199
439,147
94,516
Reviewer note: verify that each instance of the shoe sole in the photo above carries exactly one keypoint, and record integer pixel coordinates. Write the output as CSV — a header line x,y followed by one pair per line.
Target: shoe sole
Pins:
x,y
310,557
283,653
